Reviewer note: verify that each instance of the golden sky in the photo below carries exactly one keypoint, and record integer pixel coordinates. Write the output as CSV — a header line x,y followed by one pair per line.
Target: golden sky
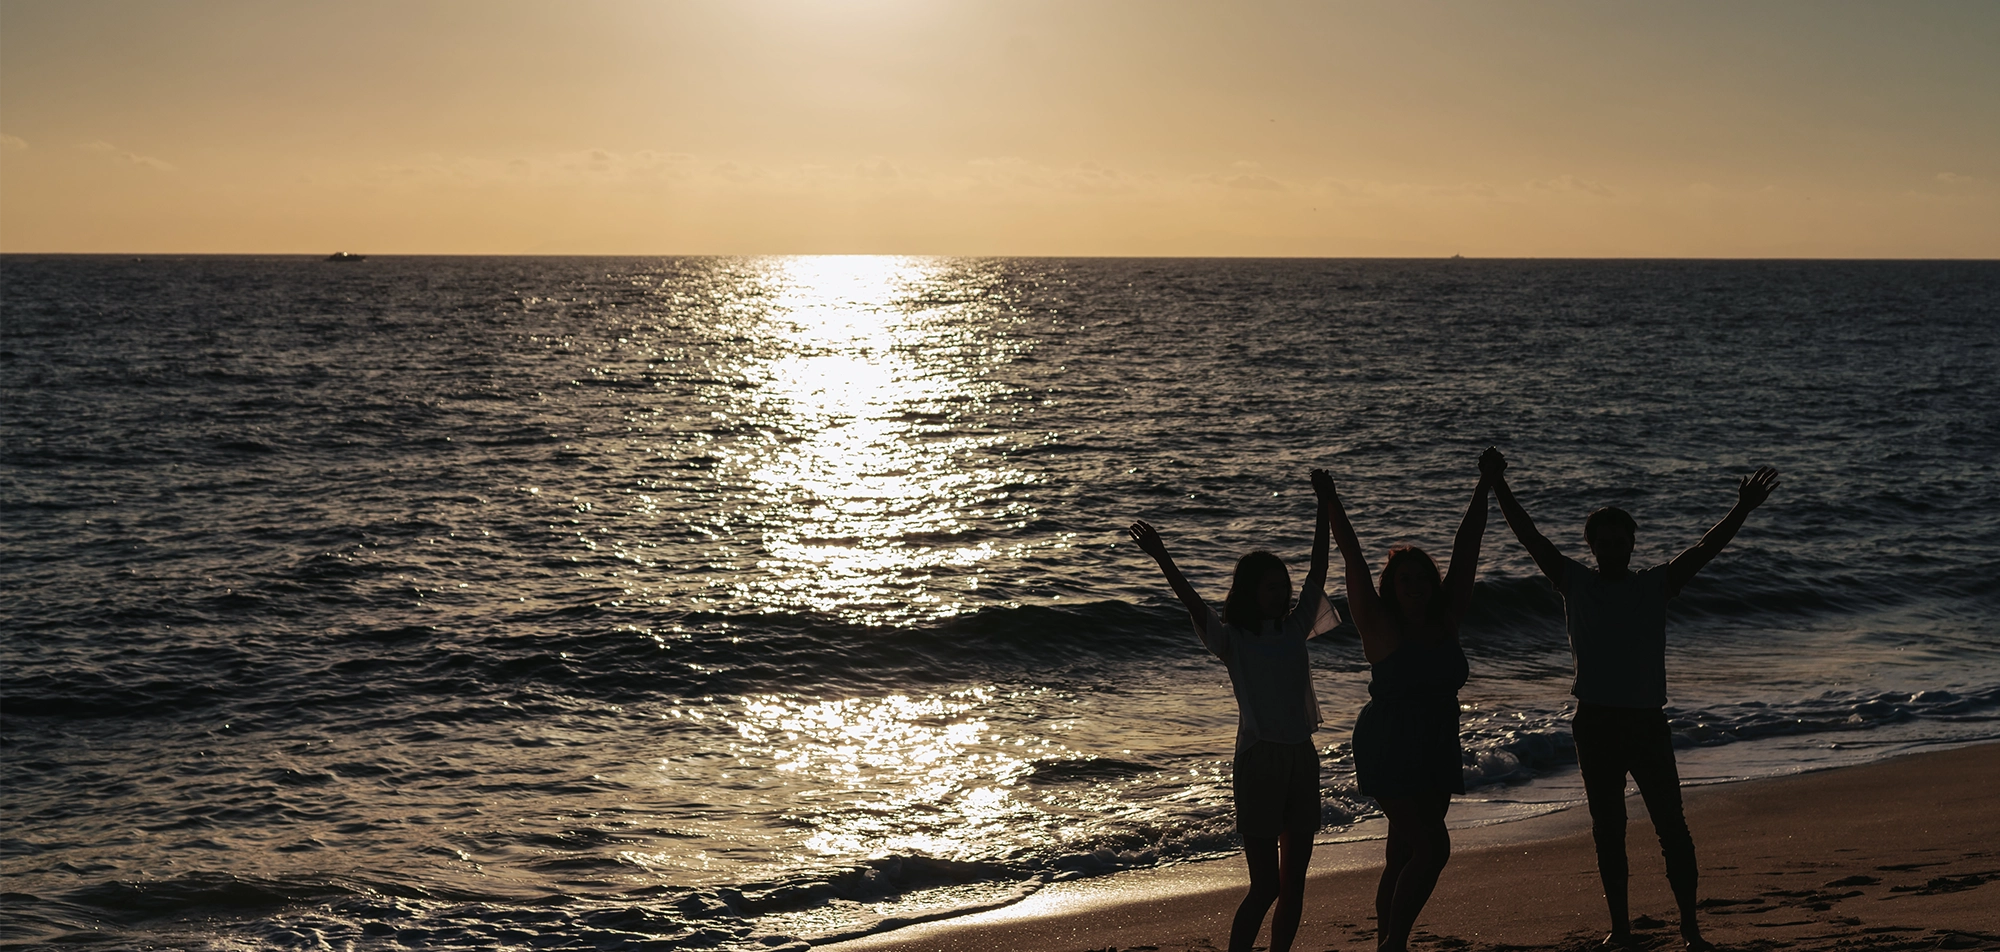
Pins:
x,y
1817,129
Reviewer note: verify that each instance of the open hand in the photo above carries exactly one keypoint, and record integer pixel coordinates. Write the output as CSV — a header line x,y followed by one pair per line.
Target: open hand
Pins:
x,y
1492,465
1756,487
1148,539
1323,486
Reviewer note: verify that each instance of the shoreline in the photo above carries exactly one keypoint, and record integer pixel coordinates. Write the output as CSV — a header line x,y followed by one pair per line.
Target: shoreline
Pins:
x,y
1900,853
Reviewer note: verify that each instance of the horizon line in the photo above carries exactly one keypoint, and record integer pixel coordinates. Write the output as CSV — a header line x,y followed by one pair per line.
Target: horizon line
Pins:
x,y
314,255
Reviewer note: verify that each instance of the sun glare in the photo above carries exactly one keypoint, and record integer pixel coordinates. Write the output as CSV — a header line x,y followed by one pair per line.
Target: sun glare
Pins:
x,y
897,753
872,487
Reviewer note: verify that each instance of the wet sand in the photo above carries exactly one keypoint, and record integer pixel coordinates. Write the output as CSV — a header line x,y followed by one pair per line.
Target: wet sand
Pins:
x,y
1898,855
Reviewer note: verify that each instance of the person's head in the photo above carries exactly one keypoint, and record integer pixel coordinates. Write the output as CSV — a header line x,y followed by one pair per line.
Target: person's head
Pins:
x,y
1261,589
1411,585
1611,533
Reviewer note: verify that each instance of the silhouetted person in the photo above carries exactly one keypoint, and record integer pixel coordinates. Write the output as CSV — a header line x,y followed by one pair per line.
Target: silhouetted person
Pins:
x,y
1406,748
1276,770
1617,622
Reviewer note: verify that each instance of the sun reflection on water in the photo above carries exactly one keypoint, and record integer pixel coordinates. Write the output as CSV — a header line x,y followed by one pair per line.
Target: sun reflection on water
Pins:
x,y
895,774
869,482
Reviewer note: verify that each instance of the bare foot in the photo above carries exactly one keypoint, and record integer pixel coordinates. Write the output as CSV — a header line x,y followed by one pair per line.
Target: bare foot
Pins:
x,y
1617,940
1695,943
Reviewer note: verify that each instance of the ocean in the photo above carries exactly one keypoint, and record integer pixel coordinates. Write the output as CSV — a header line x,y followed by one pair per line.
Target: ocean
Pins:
x,y
743,603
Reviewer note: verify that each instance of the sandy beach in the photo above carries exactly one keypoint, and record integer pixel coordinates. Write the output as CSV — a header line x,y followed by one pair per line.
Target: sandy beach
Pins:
x,y
1900,854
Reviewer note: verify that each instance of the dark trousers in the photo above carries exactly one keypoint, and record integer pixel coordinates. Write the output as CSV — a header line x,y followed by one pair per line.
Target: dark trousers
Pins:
x,y
1612,742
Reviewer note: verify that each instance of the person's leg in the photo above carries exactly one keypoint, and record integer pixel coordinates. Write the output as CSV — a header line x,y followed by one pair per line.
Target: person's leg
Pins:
x,y
1659,781
1294,855
1262,854
1302,819
1600,755
1400,846
1429,844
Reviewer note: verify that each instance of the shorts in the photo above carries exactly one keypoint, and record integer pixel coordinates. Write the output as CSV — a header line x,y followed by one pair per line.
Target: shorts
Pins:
x,y
1277,790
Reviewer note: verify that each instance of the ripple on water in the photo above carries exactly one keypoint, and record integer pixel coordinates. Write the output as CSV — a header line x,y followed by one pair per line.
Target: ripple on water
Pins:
x,y
477,601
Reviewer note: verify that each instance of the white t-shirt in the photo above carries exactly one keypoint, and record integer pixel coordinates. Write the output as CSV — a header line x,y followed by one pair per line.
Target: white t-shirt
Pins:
x,y
1269,670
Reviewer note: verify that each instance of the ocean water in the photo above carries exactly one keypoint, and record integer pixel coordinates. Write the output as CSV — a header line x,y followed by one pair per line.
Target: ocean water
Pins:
x,y
439,603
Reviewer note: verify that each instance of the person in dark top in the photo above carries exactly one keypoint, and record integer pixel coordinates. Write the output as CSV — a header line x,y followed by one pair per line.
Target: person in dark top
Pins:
x,y
1617,621
1406,748
1276,769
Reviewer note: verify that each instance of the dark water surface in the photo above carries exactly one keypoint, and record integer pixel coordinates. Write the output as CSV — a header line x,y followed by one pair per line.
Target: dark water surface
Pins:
x,y
695,603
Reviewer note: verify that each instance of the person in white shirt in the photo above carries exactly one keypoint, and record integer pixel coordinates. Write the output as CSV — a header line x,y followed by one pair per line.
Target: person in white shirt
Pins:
x,y
1261,638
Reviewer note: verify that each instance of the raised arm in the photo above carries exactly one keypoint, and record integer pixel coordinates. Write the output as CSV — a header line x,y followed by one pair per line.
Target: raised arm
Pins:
x,y
1547,557
1149,541
1371,619
1465,555
1322,488
1750,493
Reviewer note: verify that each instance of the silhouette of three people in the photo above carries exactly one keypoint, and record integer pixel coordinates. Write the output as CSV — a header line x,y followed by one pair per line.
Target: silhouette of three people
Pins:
x,y
1406,746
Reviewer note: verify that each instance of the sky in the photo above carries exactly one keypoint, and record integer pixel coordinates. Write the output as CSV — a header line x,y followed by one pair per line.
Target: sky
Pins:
x,y
1014,127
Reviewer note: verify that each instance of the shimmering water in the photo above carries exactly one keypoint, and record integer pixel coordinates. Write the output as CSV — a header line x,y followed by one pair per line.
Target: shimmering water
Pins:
x,y
692,603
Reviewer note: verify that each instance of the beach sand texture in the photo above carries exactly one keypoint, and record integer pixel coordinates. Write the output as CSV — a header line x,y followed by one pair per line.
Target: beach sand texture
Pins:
x,y
1898,855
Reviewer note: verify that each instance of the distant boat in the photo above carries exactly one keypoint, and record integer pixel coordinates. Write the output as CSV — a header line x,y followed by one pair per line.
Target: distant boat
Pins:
x,y
344,256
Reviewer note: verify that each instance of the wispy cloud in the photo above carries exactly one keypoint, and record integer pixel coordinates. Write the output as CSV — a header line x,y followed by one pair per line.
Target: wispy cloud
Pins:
x,y
557,169
642,165
106,148
1570,183
992,175
1538,190
738,172
12,143
1245,175
1368,190
1256,181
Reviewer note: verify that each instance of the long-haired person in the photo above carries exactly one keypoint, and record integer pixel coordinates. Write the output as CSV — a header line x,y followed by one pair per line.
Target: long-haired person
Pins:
x,y
1260,636
1406,749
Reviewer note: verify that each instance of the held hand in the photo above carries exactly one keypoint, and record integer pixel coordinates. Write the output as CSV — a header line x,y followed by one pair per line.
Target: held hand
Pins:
x,y
1323,486
1492,465
1148,539
1756,487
